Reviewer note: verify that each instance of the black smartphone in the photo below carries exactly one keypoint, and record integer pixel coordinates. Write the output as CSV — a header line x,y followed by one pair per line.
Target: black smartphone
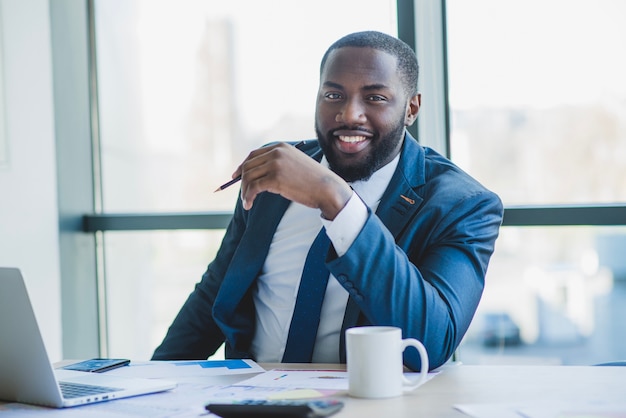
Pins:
x,y
276,409
97,365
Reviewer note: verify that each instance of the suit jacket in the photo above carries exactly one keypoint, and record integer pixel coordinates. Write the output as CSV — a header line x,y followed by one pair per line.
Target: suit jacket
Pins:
x,y
419,263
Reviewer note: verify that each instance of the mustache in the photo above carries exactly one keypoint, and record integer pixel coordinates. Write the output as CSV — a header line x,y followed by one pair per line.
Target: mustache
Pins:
x,y
350,128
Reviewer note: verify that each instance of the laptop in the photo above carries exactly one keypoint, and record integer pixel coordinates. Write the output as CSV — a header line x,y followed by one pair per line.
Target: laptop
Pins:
x,y
26,374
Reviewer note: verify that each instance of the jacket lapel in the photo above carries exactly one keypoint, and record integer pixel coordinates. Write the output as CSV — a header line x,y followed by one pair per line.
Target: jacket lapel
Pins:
x,y
250,255
396,209
400,202
264,217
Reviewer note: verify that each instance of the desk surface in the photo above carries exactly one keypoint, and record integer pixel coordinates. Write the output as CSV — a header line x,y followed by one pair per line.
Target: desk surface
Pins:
x,y
524,385
464,384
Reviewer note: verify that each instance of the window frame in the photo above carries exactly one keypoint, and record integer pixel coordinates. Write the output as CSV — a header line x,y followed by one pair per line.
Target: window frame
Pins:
x,y
83,224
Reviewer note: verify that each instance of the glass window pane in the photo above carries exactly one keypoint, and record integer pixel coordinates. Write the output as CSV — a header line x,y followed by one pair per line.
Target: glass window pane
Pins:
x,y
538,97
188,87
552,295
537,101
149,276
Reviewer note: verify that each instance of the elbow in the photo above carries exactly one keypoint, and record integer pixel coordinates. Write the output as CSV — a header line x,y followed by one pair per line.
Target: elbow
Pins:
x,y
440,346
436,358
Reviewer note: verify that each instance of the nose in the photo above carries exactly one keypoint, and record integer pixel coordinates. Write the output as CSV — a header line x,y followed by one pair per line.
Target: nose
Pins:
x,y
351,112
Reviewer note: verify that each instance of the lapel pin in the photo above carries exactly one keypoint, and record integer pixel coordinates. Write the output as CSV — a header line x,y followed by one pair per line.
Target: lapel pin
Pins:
x,y
411,201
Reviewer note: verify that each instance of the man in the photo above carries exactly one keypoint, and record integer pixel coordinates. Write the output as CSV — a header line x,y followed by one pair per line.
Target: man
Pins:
x,y
411,234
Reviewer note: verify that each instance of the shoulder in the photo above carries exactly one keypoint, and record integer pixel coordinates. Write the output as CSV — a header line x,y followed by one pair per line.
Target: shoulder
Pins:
x,y
437,179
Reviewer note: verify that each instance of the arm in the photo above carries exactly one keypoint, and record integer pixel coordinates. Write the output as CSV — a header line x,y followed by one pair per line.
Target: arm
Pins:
x,y
277,168
282,169
430,282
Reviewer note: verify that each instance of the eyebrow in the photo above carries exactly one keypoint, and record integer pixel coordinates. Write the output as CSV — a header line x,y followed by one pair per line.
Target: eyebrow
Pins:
x,y
333,85
368,87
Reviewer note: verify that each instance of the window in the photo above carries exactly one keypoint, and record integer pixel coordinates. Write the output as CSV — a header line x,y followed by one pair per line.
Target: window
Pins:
x,y
537,97
186,89
537,101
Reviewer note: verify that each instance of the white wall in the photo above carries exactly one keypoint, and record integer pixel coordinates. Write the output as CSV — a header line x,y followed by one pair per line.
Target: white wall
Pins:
x,y
28,197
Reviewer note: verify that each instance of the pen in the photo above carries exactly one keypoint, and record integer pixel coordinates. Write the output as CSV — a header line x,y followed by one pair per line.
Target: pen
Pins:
x,y
299,145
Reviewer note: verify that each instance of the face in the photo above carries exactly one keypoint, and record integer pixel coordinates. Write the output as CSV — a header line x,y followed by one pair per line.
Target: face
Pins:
x,y
362,111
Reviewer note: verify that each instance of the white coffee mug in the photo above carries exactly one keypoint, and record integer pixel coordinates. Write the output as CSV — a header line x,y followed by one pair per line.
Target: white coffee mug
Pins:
x,y
375,367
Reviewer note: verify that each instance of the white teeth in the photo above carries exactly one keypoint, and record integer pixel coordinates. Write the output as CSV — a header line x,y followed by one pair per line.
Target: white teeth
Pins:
x,y
351,139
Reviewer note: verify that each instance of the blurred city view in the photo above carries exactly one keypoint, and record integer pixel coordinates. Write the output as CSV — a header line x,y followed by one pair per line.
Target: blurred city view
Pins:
x,y
188,88
538,113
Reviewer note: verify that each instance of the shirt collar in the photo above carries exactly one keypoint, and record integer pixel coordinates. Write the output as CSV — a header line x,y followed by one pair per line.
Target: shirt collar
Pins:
x,y
372,189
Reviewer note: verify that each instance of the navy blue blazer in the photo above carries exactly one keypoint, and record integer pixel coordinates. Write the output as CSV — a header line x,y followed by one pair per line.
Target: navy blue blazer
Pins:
x,y
419,263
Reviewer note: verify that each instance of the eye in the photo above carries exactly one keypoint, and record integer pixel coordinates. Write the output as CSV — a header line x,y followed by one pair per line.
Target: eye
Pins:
x,y
332,96
376,98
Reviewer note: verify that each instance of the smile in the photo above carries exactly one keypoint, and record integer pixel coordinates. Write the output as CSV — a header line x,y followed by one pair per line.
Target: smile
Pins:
x,y
351,139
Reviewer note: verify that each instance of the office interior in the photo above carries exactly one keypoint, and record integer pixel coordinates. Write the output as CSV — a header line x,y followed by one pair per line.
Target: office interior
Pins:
x,y
118,118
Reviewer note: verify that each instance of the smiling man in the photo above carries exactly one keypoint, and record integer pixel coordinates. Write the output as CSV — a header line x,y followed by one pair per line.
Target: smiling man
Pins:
x,y
362,226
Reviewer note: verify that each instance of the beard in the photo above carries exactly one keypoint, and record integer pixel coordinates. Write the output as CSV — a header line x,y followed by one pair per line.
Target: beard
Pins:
x,y
381,152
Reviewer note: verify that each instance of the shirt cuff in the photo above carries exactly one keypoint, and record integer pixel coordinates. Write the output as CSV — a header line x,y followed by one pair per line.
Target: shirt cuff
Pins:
x,y
348,223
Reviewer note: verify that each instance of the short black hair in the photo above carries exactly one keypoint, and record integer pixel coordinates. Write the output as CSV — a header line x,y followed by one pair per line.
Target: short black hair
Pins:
x,y
407,60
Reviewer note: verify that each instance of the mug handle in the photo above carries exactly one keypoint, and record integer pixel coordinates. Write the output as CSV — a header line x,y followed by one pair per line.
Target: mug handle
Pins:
x,y
411,384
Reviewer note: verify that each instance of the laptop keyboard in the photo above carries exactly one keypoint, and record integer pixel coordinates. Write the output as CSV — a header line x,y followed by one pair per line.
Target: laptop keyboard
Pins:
x,y
76,390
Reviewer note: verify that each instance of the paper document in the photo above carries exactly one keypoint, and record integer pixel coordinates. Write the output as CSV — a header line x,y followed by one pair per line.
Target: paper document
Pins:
x,y
292,384
300,379
194,390
174,370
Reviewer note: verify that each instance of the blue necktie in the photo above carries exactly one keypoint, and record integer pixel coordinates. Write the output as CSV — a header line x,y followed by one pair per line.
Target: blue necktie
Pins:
x,y
306,314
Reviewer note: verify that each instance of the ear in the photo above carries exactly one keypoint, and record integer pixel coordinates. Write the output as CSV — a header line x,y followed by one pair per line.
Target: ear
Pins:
x,y
412,109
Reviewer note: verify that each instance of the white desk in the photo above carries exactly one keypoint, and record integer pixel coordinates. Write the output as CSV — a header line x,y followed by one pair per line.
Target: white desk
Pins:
x,y
523,385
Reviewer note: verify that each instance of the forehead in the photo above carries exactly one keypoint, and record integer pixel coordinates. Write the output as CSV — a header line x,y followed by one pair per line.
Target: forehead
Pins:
x,y
361,65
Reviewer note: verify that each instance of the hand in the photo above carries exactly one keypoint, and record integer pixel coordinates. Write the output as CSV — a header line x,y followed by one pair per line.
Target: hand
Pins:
x,y
284,170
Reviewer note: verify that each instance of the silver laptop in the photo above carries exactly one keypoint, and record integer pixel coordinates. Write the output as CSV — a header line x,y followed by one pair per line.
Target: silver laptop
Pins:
x,y
26,374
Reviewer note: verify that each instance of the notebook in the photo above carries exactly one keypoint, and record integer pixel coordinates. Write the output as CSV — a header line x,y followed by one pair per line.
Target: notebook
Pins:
x,y
26,374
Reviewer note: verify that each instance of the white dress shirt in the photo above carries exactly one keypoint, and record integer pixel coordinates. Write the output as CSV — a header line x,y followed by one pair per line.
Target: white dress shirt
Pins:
x,y
277,286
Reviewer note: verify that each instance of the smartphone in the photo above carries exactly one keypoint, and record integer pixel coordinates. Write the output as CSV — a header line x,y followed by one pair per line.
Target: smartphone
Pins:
x,y
97,365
